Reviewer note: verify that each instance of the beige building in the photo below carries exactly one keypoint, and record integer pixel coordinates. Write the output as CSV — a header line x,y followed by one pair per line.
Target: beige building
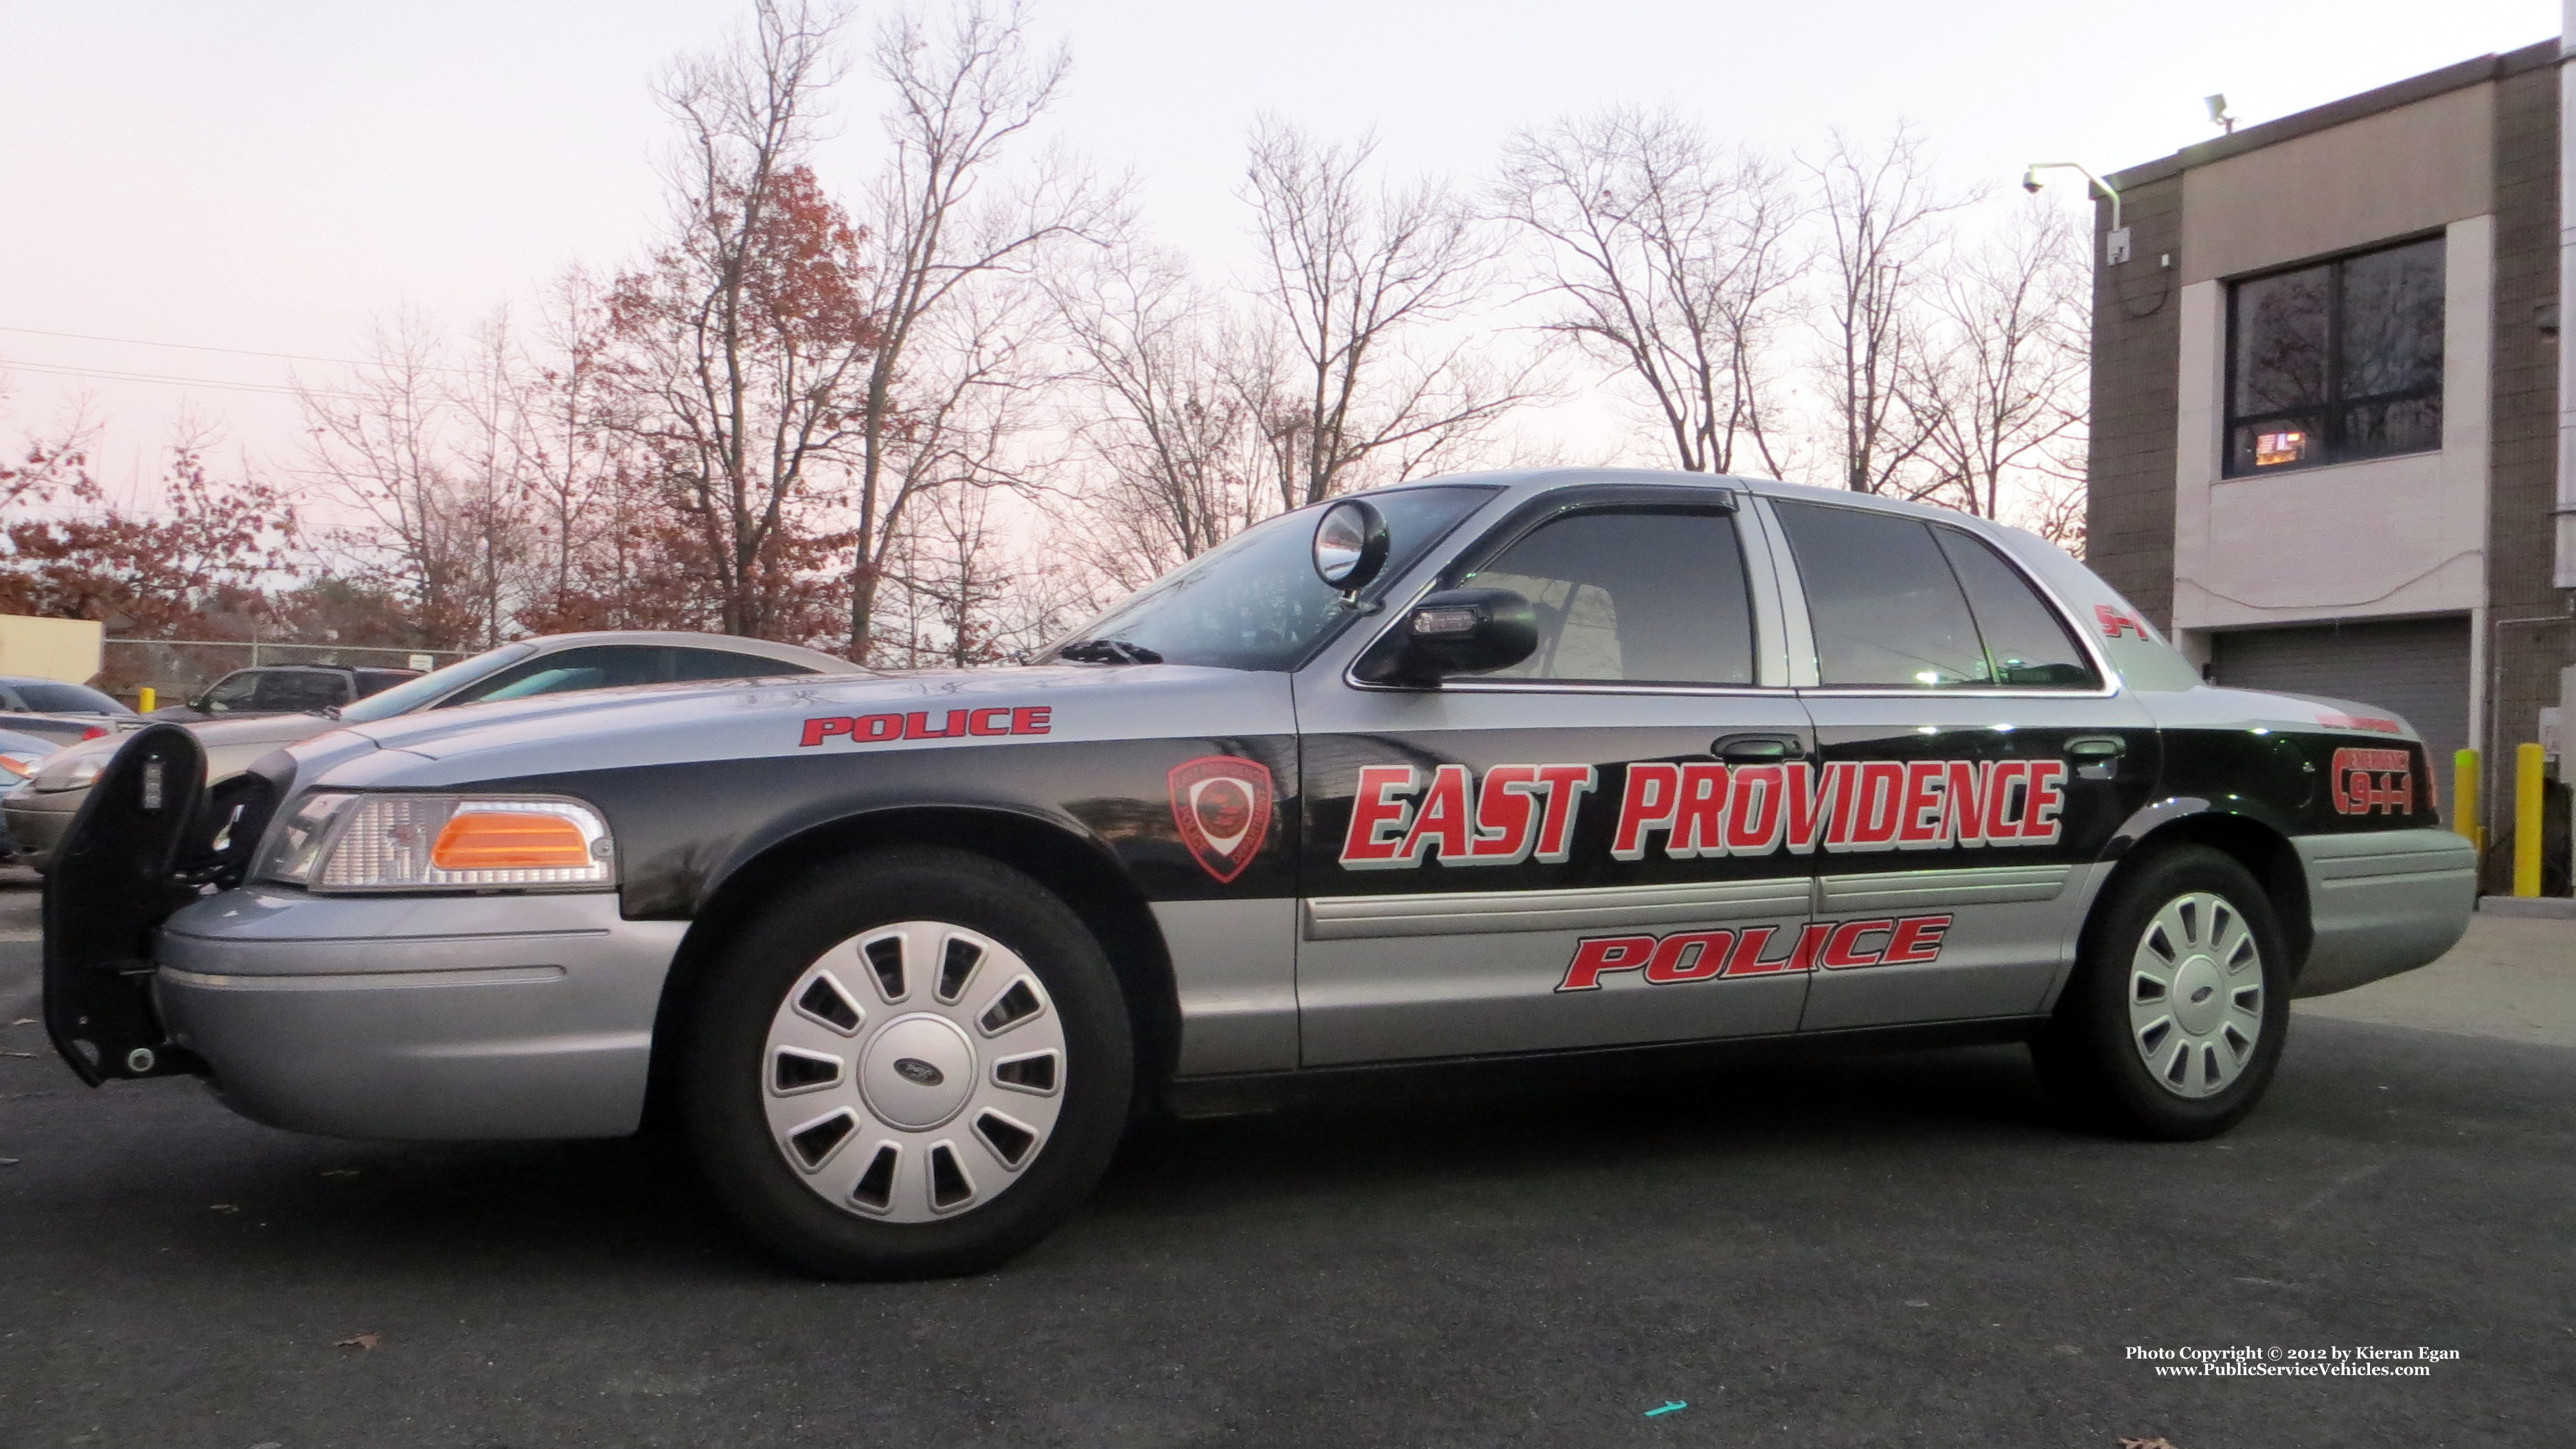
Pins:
x,y
2325,392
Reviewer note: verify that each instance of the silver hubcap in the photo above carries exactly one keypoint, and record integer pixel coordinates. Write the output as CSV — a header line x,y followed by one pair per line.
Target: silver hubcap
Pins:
x,y
913,1072
2196,995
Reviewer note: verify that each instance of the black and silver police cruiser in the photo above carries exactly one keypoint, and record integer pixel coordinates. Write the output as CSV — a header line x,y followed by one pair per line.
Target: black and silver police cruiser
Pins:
x,y
1497,766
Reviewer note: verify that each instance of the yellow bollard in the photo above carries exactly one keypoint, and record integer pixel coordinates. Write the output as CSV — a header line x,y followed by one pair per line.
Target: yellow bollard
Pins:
x,y
145,700
2527,760
2464,794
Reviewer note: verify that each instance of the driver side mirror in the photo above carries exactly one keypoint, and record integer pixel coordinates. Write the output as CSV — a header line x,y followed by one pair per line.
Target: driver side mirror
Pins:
x,y
1454,631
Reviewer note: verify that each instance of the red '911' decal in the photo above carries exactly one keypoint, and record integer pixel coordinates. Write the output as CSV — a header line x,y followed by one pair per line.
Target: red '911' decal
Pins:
x,y
2374,781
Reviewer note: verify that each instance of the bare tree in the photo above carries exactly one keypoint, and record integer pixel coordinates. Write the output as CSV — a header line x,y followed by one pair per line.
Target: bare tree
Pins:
x,y
745,341
381,442
2003,388
488,398
1672,262
959,592
40,465
940,230
577,475
1883,225
1162,409
1357,281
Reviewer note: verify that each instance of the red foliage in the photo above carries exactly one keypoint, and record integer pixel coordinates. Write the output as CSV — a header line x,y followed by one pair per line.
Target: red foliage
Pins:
x,y
735,353
196,568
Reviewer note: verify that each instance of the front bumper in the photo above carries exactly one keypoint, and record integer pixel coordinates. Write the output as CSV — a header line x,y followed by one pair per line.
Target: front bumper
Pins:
x,y
419,1017
2382,902
37,822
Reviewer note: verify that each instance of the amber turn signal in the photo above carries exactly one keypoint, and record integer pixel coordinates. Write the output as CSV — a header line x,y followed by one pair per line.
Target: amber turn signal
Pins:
x,y
509,840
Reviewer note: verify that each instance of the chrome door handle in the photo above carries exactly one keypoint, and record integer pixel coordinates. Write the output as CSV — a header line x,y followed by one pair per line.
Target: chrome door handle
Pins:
x,y
2096,757
1758,749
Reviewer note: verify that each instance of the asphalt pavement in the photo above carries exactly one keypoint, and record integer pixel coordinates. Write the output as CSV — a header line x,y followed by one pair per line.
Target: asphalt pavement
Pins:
x,y
1901,1250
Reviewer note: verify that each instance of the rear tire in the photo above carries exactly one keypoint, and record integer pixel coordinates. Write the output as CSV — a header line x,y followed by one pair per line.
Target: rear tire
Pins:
x,y
2179,1006
911,1064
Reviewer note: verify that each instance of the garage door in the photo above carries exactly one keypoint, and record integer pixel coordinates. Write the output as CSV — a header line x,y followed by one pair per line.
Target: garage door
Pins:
x,y
2418,668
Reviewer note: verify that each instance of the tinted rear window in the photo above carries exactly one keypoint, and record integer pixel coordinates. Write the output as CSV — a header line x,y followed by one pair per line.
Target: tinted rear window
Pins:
x,y
725,664
1886,608
48,697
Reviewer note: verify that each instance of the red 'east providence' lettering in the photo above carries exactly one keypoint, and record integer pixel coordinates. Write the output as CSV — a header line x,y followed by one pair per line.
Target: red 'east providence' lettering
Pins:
x,y
1521,812
1849,805
1708,955
1402,816
989,722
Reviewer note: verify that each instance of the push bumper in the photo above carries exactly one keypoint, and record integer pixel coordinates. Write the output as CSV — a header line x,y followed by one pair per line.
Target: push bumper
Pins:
x,y
2383,902
418,1018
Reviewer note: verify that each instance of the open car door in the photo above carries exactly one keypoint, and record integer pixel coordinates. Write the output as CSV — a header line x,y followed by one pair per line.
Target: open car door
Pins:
x,y
112,884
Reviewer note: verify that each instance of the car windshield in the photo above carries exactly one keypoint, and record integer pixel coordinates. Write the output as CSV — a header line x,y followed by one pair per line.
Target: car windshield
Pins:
x,y
1255,603
427,690
45,697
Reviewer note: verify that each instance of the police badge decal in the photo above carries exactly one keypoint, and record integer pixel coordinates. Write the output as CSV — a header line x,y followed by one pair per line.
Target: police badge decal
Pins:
x,y
1222,805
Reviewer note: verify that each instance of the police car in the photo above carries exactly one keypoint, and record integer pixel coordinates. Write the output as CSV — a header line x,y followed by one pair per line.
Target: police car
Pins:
x,y
1497,766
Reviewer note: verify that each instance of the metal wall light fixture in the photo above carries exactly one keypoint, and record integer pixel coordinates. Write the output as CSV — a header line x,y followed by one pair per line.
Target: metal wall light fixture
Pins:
x,y
2116,245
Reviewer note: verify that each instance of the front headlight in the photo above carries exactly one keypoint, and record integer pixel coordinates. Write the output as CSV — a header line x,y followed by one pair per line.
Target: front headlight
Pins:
x,y
77,772
347,842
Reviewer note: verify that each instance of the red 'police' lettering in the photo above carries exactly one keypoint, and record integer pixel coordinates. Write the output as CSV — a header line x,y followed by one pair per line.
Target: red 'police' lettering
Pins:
x,y
1705,955
989,722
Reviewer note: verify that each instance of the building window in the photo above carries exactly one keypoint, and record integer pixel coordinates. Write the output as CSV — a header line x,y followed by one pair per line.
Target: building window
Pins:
x,y
2336,362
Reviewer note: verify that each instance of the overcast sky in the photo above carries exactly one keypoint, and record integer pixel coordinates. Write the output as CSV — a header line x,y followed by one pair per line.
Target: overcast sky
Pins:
x,y
266,176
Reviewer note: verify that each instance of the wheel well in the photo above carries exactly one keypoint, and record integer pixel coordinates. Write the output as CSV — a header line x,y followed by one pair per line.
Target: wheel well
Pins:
x,y
1080,874
2264,852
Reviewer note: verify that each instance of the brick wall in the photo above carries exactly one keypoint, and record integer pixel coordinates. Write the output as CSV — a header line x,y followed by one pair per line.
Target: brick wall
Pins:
x,y
2525,419
2129,508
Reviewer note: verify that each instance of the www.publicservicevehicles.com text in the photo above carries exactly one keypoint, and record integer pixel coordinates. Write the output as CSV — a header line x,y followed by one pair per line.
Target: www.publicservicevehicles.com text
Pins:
x,y
2364,1361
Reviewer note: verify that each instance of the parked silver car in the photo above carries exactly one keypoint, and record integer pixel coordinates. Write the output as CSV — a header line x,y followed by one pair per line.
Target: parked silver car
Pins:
x,y
60,713
38,815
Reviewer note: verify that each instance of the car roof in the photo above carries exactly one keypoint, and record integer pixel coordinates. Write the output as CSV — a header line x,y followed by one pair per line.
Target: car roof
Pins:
x,y
1524,483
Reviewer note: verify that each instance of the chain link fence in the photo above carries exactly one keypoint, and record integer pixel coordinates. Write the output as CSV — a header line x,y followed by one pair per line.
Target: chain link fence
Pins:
x,y
176,670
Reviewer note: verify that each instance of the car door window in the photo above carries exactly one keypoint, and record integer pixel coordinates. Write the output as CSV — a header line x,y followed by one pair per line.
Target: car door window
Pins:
x,y
232,692
600,666
1631,596
1885,606
2027,643
298,691
725,664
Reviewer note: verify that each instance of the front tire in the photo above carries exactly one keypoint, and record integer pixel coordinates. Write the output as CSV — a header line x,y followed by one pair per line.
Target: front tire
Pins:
x,y
2179,1006
911,1064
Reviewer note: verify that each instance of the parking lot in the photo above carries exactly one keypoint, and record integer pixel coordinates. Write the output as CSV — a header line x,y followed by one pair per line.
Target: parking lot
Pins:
x,y
1897,1250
